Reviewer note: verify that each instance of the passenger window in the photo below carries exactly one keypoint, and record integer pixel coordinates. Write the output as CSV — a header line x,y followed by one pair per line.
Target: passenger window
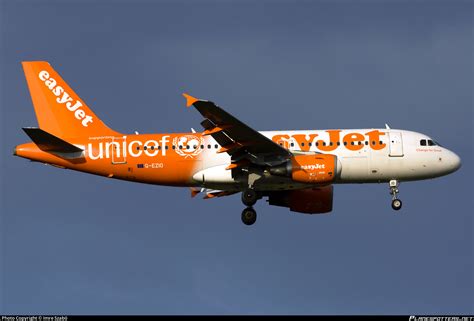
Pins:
x,y
174,147
338,143
292,144
138,147
188,147
309,144
423,142
202,146
366,143
215,146
144,147
166,147
330,144
302,144
209,146
317,144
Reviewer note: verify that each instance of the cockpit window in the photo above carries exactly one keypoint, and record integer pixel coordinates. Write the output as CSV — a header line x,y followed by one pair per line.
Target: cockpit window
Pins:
x,y
429,142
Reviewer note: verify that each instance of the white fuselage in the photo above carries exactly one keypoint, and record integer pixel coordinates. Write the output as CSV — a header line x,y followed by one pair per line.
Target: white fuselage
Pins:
x,y
395,154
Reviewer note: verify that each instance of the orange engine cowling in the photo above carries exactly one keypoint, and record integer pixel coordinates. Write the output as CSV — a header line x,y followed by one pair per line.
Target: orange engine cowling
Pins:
x,y
316,200
313,169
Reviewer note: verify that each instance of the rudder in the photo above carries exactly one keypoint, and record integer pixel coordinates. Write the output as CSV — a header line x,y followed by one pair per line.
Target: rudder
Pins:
x,y
59,110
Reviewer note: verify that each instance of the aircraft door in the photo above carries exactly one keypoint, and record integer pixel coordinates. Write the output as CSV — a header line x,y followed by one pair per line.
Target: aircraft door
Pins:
x,y
396,144
117,150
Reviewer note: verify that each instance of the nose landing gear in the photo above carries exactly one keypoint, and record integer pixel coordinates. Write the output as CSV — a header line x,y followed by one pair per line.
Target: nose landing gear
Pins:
x,y
396,203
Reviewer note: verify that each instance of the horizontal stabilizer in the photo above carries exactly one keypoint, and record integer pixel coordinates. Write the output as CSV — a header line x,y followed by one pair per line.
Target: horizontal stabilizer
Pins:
x,y
50,143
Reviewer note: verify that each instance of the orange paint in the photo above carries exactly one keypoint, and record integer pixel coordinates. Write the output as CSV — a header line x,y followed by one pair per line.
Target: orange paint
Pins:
x,y
58,108
170,159
354,141
351,141
282,140
305,144
332,144
319,168
174,167
374,140
229,148
214,130
190,100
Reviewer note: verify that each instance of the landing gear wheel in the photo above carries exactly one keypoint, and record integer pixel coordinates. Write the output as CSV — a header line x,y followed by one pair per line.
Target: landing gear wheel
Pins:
x,y
249,197
249,216
396,204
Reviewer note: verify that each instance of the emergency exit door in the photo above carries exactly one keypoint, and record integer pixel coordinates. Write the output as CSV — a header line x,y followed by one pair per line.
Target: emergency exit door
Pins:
x,y
396,144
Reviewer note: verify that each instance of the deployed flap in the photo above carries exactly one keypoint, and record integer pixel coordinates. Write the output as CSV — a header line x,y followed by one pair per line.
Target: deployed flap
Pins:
x,y
237,139
50,143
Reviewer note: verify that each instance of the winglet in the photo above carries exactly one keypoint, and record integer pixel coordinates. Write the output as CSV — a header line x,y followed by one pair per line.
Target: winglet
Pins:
x,y
189,99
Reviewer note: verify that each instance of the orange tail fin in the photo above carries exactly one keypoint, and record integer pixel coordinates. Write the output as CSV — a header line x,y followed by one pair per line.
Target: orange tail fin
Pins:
x,y
59,110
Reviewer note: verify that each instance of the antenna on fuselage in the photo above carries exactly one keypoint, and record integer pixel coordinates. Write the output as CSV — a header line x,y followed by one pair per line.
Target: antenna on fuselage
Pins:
x,y
387,126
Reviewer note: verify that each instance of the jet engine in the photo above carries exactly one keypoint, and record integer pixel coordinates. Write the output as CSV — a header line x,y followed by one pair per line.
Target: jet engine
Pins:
x,y
313,169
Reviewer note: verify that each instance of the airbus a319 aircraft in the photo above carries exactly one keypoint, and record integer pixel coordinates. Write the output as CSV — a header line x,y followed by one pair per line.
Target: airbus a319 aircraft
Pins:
x,y
294,169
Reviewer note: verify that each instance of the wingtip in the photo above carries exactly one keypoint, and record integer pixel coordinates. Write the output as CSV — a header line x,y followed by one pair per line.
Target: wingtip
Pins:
x,y
190,100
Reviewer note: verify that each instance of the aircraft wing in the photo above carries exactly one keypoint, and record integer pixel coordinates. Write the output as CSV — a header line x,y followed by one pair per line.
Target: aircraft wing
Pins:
x,y
240,141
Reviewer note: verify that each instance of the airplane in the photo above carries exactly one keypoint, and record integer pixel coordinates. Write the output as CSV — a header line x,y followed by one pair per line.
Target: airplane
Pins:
x,y
296,169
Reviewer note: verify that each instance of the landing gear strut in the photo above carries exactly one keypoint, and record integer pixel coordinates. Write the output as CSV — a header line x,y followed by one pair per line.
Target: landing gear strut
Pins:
x,y
249,216
396,203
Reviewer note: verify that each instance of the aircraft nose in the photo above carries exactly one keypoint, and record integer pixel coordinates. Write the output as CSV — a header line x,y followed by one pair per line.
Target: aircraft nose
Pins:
x,y
454,162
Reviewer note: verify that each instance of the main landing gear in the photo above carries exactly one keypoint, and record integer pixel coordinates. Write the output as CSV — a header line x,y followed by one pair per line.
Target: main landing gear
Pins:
x,y
249,216
249,198
396,203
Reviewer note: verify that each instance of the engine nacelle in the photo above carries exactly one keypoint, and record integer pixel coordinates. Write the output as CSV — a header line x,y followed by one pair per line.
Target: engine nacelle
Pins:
x,y
316,200
313,169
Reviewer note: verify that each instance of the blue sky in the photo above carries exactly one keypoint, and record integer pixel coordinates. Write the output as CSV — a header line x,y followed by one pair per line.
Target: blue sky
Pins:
x,y
80,244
